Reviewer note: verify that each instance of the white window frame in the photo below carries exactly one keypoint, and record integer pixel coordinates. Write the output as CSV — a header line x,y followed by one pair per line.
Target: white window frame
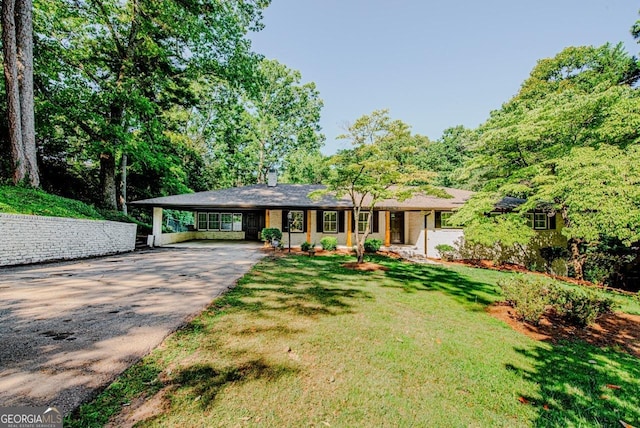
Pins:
x,y
330,225
540,221
362,221
297,221
213,221
529,217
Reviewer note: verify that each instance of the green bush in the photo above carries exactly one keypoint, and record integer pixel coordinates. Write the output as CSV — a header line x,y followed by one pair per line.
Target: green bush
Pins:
x,y
581,306
329,243
372,245
529,298
270,233
447,252
306,246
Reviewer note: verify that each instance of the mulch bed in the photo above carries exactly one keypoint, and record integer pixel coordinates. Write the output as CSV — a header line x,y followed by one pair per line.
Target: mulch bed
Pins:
x,y
610,330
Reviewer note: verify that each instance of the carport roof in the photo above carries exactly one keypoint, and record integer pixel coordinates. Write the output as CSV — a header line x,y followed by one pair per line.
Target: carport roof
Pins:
x,y
261,196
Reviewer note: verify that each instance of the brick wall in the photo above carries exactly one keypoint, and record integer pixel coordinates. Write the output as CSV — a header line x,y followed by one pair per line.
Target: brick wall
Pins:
x,y
28,239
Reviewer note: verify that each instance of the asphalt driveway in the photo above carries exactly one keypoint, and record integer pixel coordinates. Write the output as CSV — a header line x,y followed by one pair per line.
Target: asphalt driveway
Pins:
x,y
68,329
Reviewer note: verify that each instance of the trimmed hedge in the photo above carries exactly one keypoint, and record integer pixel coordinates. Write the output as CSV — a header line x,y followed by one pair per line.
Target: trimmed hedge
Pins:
x,y
329,243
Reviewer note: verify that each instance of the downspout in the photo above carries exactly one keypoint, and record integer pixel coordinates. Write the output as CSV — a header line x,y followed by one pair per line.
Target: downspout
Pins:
x,y
426,231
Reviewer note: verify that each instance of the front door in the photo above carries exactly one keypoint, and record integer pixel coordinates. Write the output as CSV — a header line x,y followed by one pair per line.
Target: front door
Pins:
x,y
255,223
397,227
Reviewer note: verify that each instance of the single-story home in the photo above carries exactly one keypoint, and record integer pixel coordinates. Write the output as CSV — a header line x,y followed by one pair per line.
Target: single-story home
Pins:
x,y
416,225
242,212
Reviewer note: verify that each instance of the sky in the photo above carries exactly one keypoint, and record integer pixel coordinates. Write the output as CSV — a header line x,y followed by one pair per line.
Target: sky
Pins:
x,y
433,64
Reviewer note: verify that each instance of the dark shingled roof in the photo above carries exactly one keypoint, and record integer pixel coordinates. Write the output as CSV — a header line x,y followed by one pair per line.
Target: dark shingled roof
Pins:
x,y
261,196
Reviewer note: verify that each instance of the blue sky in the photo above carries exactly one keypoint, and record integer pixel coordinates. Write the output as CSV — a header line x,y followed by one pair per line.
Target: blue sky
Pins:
x,y
432,64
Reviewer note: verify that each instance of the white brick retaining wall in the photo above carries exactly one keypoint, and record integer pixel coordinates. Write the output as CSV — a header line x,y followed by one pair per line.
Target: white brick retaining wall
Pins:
x,y
28,239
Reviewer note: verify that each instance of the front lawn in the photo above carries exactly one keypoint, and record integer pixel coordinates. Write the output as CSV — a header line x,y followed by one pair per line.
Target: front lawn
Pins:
x,y
303,341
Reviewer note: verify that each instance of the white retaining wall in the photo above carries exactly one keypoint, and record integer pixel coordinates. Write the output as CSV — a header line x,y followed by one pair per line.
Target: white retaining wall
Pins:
x,y
28,239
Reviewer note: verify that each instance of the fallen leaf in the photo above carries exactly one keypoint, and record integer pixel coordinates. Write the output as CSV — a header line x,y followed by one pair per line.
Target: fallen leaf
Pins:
x,y
610,386
523,400
546,407
626,425
604,397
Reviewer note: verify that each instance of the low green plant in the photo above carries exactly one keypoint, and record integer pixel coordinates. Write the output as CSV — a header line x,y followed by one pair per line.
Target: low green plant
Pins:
x,y
447,252
529,298
329,243
306,246
372,245
270,233
581,306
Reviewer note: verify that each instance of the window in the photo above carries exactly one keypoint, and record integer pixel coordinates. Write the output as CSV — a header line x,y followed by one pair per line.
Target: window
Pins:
x,y
214,221
237,222
220,221
226,221
202,221
330,222
362,222
540,221
529,218
297,221
445,221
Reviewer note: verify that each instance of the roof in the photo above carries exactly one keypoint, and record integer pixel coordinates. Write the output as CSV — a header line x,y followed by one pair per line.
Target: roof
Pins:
x,y
261,196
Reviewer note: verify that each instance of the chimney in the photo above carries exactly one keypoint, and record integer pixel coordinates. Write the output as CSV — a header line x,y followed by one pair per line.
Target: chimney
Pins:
x,y
272,177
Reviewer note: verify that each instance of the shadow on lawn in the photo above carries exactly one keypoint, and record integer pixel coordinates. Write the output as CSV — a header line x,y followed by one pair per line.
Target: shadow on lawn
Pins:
x,y
308,287
581,385
415,277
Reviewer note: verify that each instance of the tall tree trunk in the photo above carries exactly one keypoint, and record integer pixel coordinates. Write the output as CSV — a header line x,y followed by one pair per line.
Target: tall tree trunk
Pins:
x,y
108,181
24,44
9,49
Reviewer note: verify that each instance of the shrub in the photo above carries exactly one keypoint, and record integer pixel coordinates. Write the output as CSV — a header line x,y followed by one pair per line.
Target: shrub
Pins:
x,y
372,245
329,243
446,251
306,246
581,307
270,233
529,298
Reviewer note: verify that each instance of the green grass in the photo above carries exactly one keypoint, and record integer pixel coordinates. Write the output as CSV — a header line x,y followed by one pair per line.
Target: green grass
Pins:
x,y
305,342
21,200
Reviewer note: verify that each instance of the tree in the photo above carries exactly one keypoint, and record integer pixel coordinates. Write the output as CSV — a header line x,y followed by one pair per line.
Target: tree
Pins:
x,y
574,114
447,155
17,44
115,81
374,170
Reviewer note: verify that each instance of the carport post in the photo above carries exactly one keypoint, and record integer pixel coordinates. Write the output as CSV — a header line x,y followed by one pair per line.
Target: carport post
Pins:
x,y
157,225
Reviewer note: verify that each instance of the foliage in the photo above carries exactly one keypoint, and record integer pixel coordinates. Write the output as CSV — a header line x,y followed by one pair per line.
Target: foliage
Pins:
x,y
268,234
567,142
376,168
580,306
372,245
550,254
577,305
529,298
329,243
306,246
447,155
447,252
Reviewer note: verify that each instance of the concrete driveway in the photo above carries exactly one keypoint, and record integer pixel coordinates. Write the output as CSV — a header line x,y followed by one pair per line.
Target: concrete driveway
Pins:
x,y
68,329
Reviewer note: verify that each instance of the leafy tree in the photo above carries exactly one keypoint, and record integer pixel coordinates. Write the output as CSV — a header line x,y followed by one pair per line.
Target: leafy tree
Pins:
x,y
306,167
113,81
17,48
373,170
447,155
576,114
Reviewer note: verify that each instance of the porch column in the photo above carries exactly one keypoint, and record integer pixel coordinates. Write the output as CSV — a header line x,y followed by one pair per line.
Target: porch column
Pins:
x,y
309,226
348,220
157,225
387,228
266,218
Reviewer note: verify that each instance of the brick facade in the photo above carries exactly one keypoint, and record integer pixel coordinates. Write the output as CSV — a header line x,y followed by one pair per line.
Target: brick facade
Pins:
x,y
28,239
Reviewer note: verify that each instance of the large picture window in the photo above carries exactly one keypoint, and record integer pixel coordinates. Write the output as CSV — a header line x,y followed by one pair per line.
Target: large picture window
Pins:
x,y
330,222
226,222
